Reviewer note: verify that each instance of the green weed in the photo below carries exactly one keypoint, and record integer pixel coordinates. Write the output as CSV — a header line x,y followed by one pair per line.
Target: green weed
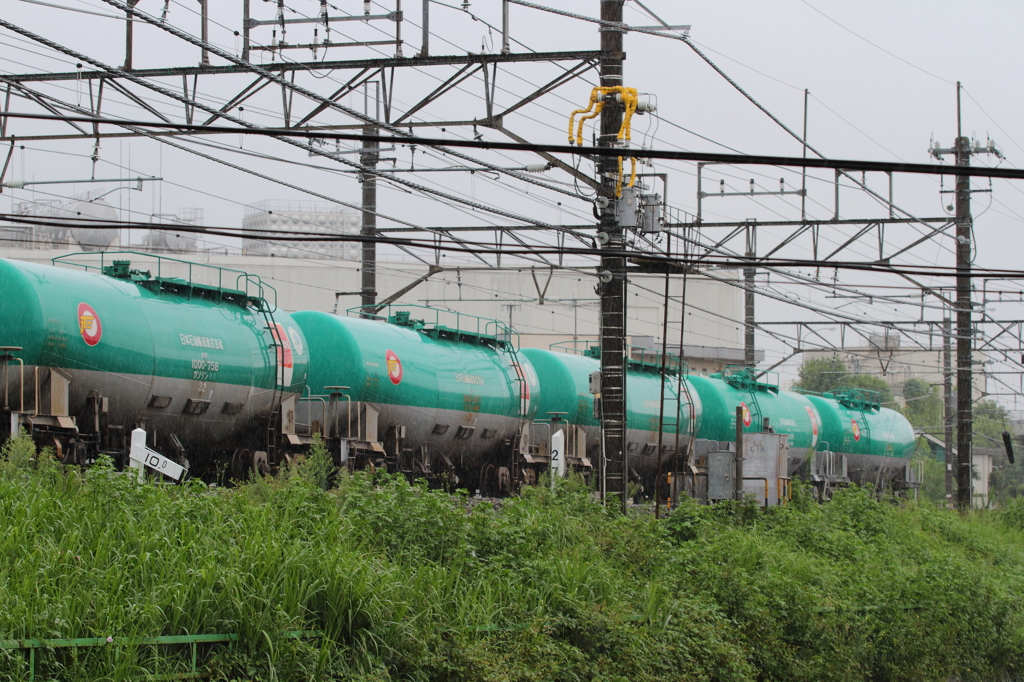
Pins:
x,y
406,583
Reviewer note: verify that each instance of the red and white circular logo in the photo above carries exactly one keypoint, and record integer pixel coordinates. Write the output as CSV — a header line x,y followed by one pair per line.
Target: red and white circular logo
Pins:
x,y
856,429
89,324
746,414
814,424
394,367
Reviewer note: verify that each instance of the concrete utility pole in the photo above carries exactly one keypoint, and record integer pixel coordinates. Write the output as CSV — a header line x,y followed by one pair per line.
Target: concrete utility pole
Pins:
x,y
962,151
369,158
129,34
964,328
613,269
749,358
947,404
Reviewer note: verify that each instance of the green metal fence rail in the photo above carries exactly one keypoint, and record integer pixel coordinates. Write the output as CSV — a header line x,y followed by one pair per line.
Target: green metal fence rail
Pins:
x,y
31,645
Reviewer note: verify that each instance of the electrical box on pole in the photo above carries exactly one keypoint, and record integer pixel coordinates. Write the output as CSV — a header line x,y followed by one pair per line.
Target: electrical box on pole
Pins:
x,y
651,214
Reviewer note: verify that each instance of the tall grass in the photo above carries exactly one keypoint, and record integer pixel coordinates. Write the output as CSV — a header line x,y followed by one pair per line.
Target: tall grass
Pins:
x,y
411,584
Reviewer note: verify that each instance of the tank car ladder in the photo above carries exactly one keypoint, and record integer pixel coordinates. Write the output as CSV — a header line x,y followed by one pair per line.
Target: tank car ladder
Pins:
x,y
277,354
521,439
674,419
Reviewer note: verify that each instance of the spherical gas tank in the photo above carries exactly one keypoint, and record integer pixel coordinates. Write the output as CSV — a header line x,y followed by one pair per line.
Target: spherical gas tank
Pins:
x,y
91,224
198,363
462,397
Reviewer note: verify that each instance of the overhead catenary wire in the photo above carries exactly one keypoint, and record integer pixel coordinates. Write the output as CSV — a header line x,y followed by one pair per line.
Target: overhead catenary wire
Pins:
x,y
482,248
734,159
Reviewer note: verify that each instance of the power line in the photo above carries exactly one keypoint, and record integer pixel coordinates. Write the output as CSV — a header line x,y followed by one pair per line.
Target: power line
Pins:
x,y
877,46
732,159
480,247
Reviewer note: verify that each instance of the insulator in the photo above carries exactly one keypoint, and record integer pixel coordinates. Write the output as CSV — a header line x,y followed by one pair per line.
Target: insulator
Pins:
x,y
536,168
646,107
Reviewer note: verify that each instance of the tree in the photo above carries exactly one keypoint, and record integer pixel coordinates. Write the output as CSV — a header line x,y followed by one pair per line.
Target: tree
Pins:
x,y
990,420
825,375
924,407
821,375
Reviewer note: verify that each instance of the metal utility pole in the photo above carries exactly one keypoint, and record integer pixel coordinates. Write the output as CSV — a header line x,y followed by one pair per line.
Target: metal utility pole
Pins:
x,y
748,300
947,404
369,157
613,268
962,151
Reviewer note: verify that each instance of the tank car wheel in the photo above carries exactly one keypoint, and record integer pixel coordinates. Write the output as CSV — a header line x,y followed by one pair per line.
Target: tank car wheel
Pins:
x,y
241,462
529,476
81,452
71,453
487,480
504,481
261,463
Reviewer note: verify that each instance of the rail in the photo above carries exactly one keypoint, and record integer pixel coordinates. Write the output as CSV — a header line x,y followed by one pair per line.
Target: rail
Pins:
x,y
31,645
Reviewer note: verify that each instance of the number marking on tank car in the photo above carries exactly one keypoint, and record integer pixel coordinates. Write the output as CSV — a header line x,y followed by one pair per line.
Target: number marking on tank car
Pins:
x,y
204,369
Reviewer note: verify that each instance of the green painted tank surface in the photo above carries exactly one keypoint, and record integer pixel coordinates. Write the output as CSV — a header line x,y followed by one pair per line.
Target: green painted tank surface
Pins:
x,y
789,413
454,392
566,384
566,380
184,364
856,428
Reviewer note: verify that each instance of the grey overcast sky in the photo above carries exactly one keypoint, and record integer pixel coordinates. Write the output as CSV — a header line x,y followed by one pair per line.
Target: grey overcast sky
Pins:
x,y
881,77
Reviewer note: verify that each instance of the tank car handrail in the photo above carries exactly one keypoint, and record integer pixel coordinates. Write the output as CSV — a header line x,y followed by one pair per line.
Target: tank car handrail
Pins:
x,y
259,301
564,346
593,350
7,357
483,325
323,413
745,378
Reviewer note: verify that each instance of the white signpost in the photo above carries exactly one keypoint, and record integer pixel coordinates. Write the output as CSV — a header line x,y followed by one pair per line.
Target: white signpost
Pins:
x,y
557,455
141,455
